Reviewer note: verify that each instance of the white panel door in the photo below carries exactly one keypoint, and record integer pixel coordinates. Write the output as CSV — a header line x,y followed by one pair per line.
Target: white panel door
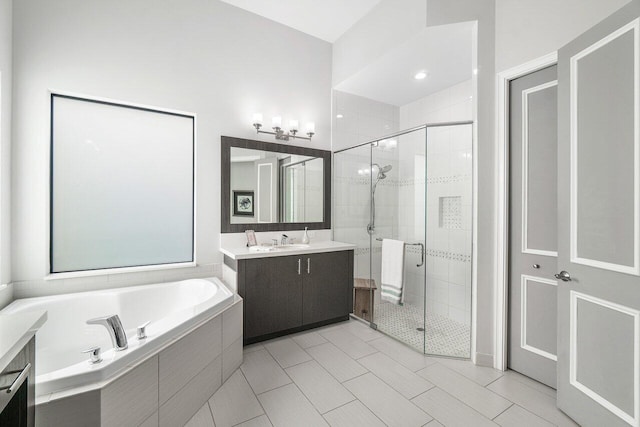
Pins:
x,y
598,223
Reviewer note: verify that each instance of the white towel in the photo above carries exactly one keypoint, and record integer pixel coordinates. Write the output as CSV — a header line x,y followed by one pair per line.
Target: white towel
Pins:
x,y
392,271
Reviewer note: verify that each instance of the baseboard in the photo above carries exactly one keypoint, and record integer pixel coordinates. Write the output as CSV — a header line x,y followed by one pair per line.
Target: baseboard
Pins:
x,y
483,359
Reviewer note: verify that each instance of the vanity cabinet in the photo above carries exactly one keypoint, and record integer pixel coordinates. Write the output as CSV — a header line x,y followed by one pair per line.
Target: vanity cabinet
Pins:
x,y
285,294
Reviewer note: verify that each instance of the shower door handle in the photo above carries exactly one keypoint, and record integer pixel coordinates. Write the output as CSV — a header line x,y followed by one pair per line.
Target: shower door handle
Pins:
x,y
421,255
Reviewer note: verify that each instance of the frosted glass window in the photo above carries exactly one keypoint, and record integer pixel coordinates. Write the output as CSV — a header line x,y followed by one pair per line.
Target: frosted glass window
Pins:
x,y
121,186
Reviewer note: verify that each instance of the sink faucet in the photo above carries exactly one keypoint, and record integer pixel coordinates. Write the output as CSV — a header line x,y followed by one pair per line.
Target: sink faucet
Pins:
x,y
116,331
284,239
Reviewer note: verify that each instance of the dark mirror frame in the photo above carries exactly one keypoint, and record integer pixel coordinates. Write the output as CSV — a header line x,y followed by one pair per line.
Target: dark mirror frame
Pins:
x,y
225,162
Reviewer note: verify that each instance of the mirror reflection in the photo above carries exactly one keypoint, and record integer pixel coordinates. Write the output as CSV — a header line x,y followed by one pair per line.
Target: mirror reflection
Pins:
x,y
268,187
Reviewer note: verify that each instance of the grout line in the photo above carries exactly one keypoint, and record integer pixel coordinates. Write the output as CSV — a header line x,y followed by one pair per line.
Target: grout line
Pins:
x,y
503,411
487,386
211,410
256,397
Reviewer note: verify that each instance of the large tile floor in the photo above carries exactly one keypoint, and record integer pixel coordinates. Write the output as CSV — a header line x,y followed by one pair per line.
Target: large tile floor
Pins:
x,y
350,375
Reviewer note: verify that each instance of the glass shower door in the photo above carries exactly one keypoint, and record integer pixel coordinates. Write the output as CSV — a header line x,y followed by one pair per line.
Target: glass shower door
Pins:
x,y
398,212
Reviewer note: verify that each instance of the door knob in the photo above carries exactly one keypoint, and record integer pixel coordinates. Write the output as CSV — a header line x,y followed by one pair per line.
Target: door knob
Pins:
x,y
564,276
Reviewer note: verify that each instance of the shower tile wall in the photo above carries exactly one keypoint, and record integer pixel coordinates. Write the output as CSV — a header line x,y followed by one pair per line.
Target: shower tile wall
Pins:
x,y
449,202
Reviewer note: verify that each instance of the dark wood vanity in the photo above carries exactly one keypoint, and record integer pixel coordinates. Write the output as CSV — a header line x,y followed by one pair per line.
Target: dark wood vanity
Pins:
x,y
290,293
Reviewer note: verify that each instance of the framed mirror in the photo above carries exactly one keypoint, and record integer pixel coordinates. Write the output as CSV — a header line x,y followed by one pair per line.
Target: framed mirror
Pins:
x,y
272,187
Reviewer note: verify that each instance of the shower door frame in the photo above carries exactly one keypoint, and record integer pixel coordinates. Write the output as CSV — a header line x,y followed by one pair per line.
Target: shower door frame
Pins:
x,y
474,193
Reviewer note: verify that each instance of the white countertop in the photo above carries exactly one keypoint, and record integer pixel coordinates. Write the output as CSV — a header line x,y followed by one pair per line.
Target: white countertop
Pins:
x,y
15,331
243,252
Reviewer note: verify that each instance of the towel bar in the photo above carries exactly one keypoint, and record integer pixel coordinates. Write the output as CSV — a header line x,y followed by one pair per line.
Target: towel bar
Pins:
x,y
379,239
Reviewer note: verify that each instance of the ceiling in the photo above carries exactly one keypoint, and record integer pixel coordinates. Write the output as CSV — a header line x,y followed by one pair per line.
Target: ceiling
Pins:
x,y
325,19
444,52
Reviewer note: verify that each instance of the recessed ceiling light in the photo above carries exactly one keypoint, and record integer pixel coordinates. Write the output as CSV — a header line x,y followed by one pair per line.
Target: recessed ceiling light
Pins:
x,y
339,116
420,75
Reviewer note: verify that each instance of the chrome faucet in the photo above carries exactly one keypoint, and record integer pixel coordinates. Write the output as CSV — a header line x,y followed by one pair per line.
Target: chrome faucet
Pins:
x,y
284,240
116,331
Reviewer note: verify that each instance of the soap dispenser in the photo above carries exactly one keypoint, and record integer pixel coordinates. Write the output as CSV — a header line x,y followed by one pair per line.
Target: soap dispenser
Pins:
x,y
305,236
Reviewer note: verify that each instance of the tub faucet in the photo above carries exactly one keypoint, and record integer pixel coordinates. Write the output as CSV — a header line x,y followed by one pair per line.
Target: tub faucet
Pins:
x,y
116,331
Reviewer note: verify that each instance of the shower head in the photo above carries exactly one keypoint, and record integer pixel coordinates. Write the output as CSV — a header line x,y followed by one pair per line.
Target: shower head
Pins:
x,y
382,170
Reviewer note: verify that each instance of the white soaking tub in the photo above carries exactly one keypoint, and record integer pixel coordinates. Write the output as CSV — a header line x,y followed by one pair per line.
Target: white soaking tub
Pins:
x,y
172,308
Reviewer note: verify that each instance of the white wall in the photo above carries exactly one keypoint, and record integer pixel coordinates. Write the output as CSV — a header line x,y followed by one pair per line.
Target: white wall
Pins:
x,y
387,25
201,56
528,29
5,150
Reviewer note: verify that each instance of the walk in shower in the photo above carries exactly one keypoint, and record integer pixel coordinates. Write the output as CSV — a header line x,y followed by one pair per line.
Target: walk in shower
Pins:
x,y
416,187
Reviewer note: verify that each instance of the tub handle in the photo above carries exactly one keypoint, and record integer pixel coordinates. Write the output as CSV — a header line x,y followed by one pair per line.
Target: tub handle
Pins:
x,y
142,333
94,355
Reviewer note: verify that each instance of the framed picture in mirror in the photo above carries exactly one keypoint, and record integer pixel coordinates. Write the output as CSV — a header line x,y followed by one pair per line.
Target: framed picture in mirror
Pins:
x,y
242,203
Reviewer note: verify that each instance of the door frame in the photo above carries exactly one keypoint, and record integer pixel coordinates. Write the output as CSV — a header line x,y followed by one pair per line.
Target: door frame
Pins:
x,y
501,273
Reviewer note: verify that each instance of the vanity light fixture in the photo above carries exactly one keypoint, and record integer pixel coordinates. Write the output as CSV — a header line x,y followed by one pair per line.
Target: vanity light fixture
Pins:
x,y
279,132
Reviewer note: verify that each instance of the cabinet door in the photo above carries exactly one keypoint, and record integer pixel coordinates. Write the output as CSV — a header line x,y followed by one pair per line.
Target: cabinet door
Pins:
x,y
327,286
272,295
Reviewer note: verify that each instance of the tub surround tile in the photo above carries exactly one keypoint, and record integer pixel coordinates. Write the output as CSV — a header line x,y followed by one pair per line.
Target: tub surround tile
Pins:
x,y
353,414
341,366
479,398
181,406
323,390
287,406
231,358
286,352
80,410
152,421
202,418
450,411
232,324
388,405
234,402
133,397
183,360
262,372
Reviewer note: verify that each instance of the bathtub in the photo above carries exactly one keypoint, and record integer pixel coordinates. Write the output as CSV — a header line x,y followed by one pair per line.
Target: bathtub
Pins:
x,y
172,308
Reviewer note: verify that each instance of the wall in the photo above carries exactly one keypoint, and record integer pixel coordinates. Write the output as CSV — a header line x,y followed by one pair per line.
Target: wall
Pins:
x,y
205,57
528,29
6,291
387,25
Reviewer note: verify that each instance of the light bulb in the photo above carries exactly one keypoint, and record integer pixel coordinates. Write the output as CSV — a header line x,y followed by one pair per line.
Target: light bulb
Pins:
x,y
293,125
257,118
276,122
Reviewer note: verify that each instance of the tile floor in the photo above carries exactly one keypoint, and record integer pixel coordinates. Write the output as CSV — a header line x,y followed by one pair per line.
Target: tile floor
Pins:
x,y
442,336
350,375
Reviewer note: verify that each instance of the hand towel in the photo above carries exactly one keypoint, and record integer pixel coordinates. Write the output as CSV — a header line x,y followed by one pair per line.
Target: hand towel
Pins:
x,y
392,271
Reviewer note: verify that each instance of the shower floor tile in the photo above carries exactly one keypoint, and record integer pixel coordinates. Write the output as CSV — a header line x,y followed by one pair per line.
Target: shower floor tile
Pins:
x,y
444,336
